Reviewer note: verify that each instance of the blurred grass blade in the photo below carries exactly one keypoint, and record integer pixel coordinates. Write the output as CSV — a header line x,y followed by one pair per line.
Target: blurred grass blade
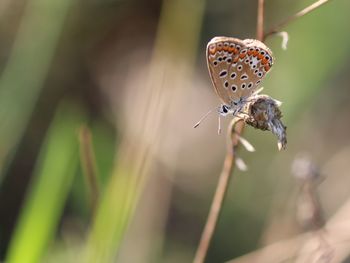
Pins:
x,y
112,217
49,189
27,67
174,51
88,163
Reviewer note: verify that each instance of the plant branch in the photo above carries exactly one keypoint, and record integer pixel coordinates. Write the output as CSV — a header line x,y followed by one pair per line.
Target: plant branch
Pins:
x,y
88,163
337,229
290,19
260,21
234,129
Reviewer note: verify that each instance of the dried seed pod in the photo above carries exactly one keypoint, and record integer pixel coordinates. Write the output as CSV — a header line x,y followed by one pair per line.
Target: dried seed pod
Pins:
x,y
264,114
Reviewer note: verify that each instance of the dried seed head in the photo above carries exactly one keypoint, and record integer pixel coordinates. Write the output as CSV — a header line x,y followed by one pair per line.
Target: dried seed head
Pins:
x,y
264,114
308,210
304,169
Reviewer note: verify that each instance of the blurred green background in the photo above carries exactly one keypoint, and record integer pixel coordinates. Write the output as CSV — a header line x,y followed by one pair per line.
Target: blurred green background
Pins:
x,y
134,73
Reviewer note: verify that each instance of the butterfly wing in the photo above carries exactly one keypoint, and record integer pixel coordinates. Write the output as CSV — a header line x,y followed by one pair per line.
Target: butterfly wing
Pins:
x,y
237,66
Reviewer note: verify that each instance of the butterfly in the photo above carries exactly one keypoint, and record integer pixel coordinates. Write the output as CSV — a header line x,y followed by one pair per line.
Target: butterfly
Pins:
x,y
236,68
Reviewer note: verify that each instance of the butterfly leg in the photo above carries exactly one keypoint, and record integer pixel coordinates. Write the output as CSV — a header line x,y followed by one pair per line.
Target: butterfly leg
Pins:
x,y
239,113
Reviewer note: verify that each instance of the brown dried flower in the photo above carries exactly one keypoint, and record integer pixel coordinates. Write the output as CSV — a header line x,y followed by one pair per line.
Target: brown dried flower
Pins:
x,y
263,113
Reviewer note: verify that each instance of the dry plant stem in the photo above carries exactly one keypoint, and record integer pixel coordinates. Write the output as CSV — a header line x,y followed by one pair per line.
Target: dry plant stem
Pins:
x,y
309,190
260,21
337,228
88,162
237,128
234,129
303,12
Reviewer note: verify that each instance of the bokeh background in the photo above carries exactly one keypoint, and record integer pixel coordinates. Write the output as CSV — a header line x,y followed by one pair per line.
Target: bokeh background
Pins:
x,y
132,74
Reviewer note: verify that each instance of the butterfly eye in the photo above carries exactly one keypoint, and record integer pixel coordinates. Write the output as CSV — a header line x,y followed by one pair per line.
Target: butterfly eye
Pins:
x,y
260,74
243,85
234,88
239,68
233,75
226,84
250,85
262,53
215,63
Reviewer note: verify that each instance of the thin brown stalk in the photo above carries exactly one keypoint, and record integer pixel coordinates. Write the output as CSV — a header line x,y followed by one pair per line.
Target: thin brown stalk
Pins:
x,y
234,129
290,19
88,162
337,228
260,21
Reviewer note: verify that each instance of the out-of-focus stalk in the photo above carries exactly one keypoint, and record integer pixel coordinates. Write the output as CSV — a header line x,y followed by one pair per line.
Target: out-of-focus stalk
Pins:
x,y
49,189
170,68
27,67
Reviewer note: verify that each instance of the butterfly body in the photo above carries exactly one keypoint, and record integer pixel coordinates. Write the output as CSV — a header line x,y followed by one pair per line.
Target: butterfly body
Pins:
x,y
236,68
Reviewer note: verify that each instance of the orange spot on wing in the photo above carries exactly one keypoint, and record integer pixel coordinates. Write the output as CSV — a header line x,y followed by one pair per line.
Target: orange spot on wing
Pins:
x,y
212,49
260,56
236,59
250,53
264,61
225,48
242,55
267,68
231,49
255,53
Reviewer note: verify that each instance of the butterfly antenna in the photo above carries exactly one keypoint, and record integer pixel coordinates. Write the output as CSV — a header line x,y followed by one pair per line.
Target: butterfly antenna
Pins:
x,y
219,128
203,118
